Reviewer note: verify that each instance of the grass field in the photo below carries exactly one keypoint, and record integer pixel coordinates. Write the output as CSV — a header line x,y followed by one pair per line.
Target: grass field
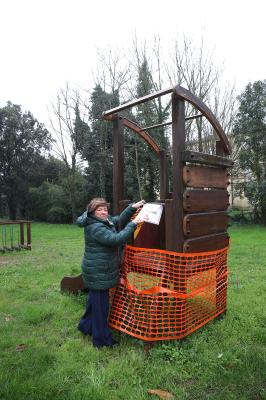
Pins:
x,y
43,356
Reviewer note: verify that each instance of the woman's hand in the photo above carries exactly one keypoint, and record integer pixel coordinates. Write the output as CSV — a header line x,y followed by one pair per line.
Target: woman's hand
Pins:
x,y
137,221
138,204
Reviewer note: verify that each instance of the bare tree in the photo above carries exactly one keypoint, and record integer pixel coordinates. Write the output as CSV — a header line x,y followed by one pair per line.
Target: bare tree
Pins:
x,y
194,67
113,73
69,129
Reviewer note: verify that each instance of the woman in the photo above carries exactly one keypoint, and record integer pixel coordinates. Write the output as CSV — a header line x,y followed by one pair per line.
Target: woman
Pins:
x,y
100,265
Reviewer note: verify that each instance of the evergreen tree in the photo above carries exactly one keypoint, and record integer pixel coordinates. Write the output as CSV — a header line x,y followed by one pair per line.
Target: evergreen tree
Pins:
x,y
250,136
148,114
71,182
47,195
98,149
22,140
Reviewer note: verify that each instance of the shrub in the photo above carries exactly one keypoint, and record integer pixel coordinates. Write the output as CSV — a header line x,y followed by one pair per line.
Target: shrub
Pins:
x,y
240,216
58,215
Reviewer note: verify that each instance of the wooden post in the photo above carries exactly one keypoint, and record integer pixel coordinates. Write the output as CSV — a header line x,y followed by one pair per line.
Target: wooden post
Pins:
x,y
219,148
178,140
118,164
169,238
122,205
28,236
177,241
221,284
21,226
164,180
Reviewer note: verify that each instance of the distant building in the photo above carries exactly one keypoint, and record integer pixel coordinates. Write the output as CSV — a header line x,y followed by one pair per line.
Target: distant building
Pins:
x,y
239,201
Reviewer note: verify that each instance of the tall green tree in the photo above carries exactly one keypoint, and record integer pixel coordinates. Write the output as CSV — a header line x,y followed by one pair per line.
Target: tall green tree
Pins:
x,y
46,196
22,141
250,136
148,114
98,148
51,202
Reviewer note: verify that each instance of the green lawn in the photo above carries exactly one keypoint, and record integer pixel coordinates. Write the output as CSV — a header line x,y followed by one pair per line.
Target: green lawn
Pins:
x,y
43,356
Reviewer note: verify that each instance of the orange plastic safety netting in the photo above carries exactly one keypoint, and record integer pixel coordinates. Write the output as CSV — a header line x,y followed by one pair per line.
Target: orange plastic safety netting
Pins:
x,y
166,295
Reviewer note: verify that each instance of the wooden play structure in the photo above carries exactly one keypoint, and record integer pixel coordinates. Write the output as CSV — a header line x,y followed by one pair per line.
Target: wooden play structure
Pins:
x,y
174,276
15,235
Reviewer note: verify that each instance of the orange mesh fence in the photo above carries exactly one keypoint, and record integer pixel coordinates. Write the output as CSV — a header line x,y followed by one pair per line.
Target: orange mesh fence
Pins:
x,y
166,295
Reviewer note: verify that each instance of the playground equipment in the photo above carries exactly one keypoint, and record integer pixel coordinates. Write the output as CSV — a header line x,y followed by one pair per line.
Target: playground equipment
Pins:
x,y
13,235
174,276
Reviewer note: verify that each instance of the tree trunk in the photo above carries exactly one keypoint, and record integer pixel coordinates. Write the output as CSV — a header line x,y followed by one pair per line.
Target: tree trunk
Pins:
x,y
199,126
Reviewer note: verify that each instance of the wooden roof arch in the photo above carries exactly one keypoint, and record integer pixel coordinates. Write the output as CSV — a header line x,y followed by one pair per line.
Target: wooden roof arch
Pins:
x,y
181,93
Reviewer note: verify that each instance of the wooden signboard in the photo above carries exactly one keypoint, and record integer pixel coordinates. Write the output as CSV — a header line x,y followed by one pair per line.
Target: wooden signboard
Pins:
x,y
205,177
201,158
196,200
206,243
205,223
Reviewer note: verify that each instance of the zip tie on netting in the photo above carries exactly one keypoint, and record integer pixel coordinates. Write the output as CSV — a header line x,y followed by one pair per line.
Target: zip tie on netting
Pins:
x,y
166,295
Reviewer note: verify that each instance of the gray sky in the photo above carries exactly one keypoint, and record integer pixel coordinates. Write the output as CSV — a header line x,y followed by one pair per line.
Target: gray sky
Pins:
x,y
46,43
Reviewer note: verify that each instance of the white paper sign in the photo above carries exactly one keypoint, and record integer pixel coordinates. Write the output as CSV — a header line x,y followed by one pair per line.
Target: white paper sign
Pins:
x,y
151,212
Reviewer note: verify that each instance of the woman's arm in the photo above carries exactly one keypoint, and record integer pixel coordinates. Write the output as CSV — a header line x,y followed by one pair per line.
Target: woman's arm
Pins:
x,y
107,237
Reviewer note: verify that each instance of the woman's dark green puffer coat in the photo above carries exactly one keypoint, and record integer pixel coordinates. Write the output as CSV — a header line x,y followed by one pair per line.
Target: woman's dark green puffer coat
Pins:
x,y
100,265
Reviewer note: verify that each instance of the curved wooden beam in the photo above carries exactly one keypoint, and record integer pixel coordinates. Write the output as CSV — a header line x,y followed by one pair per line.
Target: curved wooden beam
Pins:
x,y
143,134
195,101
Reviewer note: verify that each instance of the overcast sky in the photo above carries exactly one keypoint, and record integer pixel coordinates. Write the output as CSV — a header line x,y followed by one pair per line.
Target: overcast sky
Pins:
x,y
46,43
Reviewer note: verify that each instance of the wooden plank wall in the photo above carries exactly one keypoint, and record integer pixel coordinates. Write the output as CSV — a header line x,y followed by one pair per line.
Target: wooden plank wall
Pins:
x,y
205,202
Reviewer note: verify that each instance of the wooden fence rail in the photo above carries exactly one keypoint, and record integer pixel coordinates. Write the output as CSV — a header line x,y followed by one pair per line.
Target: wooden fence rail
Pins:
x,y
15,235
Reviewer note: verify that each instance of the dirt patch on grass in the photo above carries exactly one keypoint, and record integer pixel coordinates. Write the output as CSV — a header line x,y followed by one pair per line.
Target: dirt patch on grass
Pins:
x,y
8,261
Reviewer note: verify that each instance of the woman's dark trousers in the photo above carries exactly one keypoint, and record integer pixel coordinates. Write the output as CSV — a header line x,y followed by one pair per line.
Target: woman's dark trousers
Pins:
x,y
95,320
